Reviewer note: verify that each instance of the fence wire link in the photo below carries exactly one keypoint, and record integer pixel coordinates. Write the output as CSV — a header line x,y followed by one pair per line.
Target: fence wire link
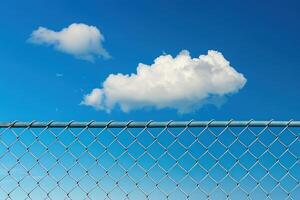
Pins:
x,y
150,160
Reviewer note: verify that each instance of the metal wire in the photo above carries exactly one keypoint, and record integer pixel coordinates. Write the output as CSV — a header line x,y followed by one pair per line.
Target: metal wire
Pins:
x,y
150,160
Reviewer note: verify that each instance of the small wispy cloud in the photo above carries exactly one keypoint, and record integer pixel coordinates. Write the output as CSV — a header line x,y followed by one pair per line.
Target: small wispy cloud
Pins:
x,y
59,75
182,83
80,40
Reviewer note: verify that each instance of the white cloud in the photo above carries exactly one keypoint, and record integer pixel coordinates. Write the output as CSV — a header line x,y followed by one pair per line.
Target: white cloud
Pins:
x,y
94,99
182,83
80,40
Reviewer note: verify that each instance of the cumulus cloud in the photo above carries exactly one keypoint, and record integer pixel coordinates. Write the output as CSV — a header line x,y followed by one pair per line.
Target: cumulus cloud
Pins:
x,y
94,99
81,40
182,83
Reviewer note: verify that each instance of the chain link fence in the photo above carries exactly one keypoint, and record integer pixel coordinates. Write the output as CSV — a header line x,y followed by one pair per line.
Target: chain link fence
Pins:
x,y
150,160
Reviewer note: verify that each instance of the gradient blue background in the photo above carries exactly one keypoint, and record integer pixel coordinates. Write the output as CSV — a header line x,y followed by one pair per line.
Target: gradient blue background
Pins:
x,y
259,38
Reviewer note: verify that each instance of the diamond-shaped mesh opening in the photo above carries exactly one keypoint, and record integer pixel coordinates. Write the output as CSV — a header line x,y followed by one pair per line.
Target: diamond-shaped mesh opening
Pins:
x,y
144,162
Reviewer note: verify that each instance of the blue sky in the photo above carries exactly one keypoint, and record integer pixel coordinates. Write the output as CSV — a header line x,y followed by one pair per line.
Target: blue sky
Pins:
x,y
260,39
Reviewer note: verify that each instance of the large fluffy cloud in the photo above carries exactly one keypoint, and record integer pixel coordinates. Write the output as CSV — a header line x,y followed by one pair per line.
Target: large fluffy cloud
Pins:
x,y
182,82
80,40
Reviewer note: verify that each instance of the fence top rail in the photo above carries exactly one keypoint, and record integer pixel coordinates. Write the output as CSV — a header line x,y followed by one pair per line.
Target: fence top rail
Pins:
x,y
149,124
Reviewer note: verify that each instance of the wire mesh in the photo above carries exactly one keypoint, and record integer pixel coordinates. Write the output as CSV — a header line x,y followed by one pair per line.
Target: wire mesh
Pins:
x,y
150,160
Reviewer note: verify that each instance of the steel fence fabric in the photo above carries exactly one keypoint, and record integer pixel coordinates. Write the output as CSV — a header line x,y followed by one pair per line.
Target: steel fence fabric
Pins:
x,y
150,160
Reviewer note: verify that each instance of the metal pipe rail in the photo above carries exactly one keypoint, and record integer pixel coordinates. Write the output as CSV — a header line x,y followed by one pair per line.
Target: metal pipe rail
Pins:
x,y
149,124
